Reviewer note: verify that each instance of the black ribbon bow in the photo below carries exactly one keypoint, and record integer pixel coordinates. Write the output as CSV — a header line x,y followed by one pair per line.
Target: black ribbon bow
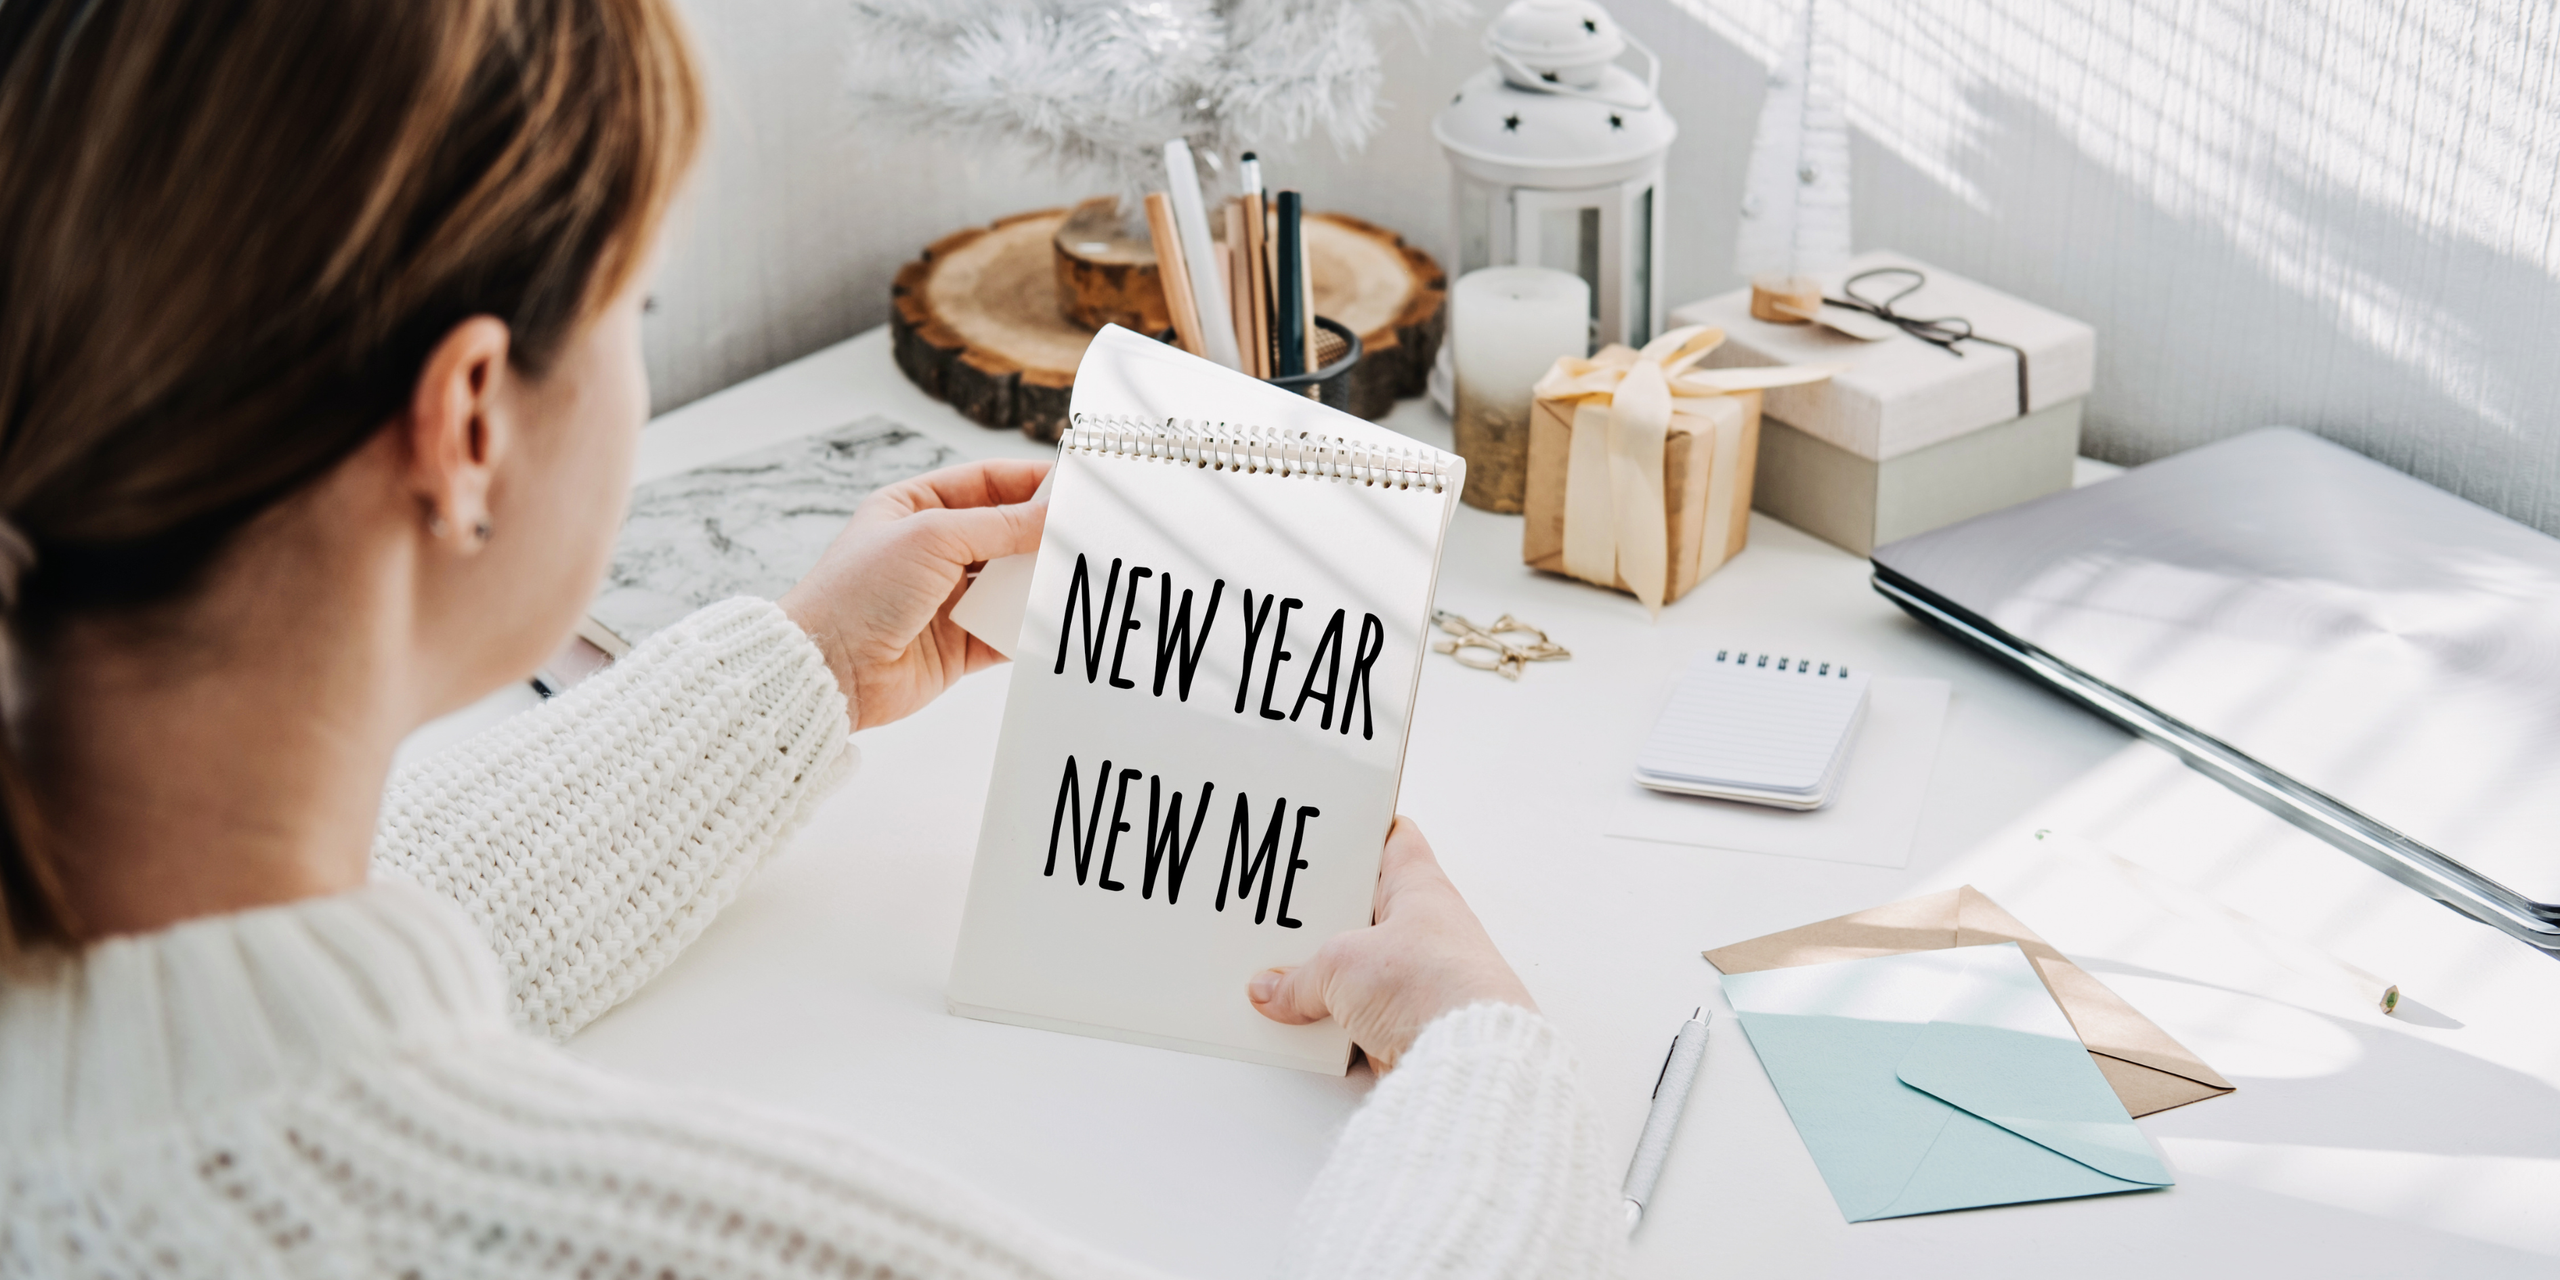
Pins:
x,y
1942,332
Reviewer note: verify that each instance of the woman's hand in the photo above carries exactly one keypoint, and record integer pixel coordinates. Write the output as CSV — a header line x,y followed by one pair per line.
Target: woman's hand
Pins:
x,y
1425,956
879,603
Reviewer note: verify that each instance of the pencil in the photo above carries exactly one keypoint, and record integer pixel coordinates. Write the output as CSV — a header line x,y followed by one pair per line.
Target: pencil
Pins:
x,y
1235,258
1257,270
1254,269
1307,303
1174,274
1191,223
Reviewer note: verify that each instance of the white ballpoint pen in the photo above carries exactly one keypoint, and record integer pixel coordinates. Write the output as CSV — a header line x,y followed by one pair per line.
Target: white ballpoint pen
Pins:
x,y
1670,1093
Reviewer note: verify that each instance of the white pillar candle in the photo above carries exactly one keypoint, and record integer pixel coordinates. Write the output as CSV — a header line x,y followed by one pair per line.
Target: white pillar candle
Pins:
x,y
1507,325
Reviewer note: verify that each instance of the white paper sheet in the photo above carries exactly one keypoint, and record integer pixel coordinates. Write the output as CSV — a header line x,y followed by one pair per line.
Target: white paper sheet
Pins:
x,y
1144,932
2112,913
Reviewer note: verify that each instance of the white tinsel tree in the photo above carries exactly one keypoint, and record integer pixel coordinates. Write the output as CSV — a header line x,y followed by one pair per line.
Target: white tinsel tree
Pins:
x,y
1795,193
1101,85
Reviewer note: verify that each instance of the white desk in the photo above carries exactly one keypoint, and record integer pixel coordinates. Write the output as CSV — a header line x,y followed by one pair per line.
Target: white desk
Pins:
x,y
2429,1145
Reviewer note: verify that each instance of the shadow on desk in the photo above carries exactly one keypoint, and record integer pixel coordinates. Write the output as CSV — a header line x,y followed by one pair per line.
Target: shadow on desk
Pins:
x,y
2409,1093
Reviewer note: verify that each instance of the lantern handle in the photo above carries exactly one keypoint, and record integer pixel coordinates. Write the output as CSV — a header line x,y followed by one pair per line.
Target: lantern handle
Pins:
x,y
1652,65
1522,76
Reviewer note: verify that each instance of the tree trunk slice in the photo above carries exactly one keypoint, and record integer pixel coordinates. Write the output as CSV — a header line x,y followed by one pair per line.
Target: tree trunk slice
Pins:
x,y
981,320
1105,274
975,322
1393,295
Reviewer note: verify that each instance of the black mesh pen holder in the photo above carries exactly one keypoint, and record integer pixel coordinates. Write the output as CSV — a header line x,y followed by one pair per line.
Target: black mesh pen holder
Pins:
x,y
1337,352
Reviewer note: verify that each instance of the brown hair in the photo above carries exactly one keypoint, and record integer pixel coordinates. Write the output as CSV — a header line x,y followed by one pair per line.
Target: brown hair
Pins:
x,y
231,232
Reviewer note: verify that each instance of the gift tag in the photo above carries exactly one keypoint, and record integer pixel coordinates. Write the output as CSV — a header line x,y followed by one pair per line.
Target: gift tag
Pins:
x,y
1852,323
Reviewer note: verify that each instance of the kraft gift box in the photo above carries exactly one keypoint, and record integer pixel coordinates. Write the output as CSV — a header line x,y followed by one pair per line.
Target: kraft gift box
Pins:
x,y
1637,420
1706,506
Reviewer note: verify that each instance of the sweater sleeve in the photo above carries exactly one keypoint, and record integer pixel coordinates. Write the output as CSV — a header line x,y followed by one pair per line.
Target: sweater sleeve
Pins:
x,y
595,837
1476,1158
1479,1155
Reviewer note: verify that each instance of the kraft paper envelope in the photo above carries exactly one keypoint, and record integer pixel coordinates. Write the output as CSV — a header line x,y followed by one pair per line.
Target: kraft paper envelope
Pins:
x,y
2149,1070
1937,1080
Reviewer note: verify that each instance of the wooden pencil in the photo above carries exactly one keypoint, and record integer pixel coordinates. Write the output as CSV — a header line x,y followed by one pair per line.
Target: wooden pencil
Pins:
x,y
1257,241
1227,277
1307,307
1174,274
1234,257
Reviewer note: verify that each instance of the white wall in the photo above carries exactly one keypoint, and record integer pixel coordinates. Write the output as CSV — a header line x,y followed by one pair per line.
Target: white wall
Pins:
x,y
802,211
2340,215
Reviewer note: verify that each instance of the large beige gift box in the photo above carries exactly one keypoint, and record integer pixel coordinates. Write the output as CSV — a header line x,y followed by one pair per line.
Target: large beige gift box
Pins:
x,y
1911,435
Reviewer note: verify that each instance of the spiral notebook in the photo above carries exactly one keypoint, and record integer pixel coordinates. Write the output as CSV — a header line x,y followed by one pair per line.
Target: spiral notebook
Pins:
x,y
1759,727
1205,727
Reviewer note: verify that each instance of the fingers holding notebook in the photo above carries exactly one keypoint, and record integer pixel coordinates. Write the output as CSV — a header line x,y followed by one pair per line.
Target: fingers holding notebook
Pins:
x,y
992,482
1426,955
878,603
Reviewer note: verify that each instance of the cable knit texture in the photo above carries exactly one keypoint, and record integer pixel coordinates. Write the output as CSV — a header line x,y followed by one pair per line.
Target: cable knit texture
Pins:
x,y
361,1085
594,838
1475,1156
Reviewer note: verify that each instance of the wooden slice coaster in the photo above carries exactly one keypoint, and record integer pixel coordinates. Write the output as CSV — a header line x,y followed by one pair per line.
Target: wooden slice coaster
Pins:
x,y
1392,294
975,322
982,319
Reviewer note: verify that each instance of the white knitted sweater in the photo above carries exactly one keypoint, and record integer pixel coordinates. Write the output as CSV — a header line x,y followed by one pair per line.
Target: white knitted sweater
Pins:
x,y
367,1085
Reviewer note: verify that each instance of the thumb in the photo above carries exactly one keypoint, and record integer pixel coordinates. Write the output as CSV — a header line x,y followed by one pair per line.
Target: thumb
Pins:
x,y
1294,996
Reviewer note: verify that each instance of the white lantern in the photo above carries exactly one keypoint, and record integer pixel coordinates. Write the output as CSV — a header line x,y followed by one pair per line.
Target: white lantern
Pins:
x,y
1558,152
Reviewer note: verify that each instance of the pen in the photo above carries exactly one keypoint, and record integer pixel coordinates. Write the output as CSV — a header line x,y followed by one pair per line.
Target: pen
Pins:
x,y
1289,292
1249,175
1670,1091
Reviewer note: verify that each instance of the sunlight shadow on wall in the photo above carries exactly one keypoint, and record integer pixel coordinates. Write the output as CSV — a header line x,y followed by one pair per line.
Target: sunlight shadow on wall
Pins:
x,y
2341,215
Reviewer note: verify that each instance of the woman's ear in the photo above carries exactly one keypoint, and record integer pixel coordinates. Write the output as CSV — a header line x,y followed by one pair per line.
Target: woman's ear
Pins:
x,y
458,427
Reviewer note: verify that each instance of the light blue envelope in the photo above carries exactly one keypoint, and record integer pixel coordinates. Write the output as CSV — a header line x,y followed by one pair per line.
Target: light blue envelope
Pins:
x,y
1939,1080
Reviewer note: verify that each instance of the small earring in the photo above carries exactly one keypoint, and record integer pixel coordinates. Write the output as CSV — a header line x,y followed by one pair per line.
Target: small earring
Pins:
x,y
480,532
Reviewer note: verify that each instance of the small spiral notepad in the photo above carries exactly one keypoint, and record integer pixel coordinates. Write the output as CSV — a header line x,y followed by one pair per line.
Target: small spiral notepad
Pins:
x,y
1756,726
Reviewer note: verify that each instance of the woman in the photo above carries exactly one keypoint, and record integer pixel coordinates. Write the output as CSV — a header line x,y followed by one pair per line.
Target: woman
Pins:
x,y
319,385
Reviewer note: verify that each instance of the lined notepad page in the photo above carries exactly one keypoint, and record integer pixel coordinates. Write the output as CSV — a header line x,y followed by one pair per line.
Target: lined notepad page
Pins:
x,y
1754,721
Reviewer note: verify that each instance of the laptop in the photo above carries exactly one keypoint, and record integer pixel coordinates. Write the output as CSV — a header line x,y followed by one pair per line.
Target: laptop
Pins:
x,y
2368,656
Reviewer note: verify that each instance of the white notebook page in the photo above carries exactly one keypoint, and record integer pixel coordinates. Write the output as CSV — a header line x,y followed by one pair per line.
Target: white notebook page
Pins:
x,y
1288,688
1751,719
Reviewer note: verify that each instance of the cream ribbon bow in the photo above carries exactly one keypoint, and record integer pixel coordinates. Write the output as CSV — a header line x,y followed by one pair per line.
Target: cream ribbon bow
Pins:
x,y
1615,528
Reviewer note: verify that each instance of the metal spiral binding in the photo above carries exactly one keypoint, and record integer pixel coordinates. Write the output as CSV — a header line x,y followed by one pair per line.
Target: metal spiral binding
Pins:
x,y
1801,666
1232,446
